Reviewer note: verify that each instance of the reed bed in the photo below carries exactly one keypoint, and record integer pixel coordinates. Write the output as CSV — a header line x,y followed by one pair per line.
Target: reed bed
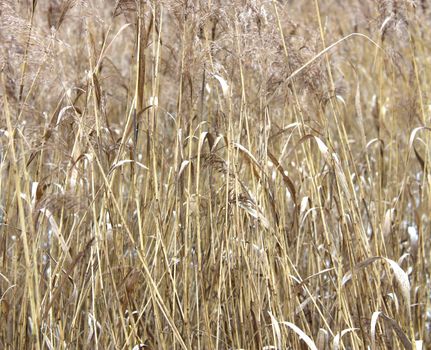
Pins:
x,y
206,174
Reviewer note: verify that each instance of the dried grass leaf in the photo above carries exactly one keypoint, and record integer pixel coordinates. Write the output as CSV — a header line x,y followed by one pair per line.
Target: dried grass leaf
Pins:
x,y
126,161
387,223
402,280
373,325
183,166
276,330
310,343
393,324
414,132
248,155
337,338
287,181
322,339
55,229
224,85
399,274
399,331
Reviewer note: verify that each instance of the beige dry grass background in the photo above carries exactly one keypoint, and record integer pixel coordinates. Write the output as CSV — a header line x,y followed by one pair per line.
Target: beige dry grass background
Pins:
x,y
217,174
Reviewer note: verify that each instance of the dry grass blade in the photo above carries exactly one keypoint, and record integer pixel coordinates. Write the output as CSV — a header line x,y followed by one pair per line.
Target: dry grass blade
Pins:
x,y
322,339
414,132
403,281
183,167
373,325
388,222
337,338
324,150
126,161
399,332
400,276
312,276
393,325
276,331
59,287
310,343
250,157
55,229
287,181
224,85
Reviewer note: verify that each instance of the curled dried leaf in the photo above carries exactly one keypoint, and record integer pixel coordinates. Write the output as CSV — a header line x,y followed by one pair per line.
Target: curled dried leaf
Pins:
x,y
400,276
337,338
224,85
310,343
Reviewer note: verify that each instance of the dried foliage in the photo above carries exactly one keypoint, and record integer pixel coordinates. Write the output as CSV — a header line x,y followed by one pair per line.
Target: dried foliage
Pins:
x,y
215,174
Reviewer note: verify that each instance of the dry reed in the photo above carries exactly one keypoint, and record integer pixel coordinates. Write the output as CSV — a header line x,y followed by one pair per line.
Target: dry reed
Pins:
x,y
215,174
